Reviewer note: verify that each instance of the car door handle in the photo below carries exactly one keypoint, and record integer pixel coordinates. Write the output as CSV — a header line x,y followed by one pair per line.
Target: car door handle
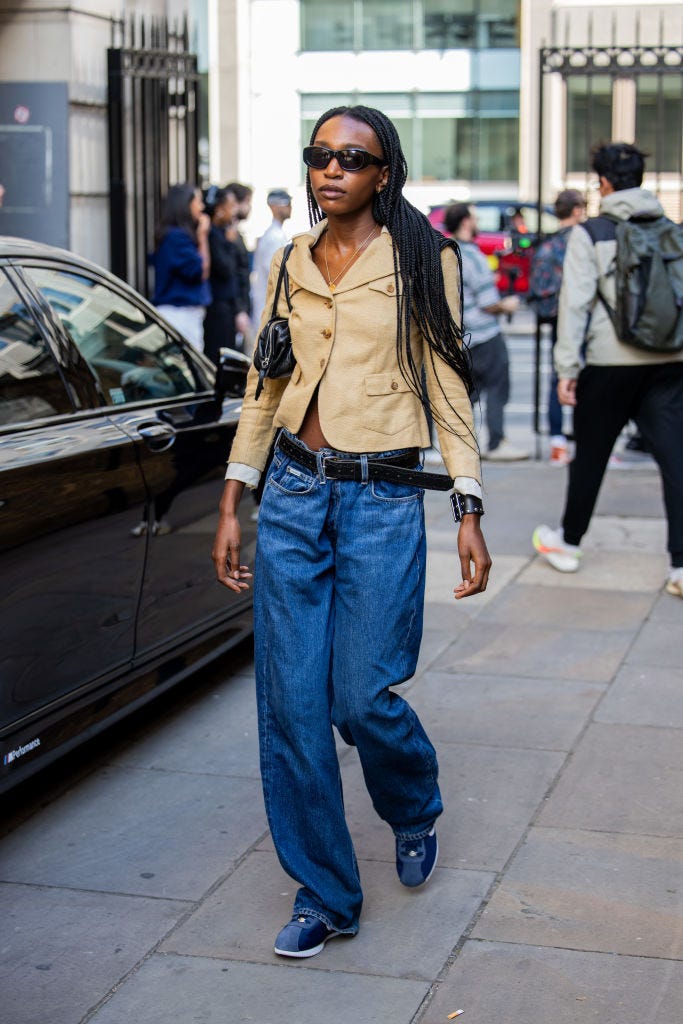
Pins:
x,y
158,437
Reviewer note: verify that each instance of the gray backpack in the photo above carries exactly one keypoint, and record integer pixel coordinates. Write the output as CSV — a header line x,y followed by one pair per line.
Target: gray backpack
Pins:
x,y
648,279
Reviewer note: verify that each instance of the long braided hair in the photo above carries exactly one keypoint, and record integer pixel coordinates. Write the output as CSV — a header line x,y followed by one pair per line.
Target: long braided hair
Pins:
x,y
417,250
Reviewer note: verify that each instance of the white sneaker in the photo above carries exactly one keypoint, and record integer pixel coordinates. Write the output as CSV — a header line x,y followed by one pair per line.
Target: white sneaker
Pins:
x,y
160,527
550,544
674,582
506,452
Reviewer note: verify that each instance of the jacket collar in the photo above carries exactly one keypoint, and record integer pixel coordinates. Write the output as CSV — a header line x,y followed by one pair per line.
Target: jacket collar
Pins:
x,y
375,262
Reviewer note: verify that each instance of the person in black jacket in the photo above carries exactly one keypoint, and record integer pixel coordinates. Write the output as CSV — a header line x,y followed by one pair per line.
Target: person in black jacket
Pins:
x,y
243,196
219,324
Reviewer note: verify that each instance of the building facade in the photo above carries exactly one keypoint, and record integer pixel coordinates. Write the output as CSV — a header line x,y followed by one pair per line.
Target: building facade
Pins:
x,y
461,79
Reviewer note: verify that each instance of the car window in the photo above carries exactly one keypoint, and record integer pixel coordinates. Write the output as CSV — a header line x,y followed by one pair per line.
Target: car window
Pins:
x,y
490,218
30,385
131,354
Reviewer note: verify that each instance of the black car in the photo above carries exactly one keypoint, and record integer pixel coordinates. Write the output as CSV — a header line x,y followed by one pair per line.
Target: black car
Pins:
x,y
114,435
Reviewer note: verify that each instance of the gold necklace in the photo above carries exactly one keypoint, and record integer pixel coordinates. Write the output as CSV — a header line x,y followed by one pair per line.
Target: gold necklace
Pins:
x,y
332,281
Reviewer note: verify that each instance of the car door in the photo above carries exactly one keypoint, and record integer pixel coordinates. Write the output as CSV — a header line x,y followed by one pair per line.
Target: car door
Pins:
x,y
157,390
69,484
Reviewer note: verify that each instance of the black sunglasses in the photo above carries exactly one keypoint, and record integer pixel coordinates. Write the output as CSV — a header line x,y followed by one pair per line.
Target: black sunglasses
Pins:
x,y
319,157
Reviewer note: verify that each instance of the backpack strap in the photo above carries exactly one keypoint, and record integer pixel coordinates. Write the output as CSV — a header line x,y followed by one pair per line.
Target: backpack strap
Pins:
x,y
603,229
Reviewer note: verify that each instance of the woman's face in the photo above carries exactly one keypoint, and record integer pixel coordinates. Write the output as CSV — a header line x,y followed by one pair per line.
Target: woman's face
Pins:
x,y
340,192
196,206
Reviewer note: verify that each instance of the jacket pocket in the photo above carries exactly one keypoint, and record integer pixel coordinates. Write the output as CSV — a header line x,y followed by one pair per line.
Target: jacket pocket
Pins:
x,y
386,285
389,406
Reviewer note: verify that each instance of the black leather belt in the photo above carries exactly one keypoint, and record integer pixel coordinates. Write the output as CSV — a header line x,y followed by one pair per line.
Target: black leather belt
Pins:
x,y
392,469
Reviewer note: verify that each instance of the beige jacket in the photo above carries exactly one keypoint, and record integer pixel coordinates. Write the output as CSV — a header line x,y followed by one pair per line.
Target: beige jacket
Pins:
x,y
345,345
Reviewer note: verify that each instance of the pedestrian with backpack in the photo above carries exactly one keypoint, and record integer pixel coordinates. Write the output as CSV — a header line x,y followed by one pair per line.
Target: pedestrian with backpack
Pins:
x,y
623,275
545,281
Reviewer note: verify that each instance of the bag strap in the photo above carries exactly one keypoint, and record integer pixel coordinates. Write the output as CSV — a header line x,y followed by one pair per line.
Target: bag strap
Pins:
x,y
282,276
603,228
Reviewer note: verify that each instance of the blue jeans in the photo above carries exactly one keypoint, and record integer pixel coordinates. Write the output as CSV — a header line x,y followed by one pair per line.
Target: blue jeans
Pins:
x,y
338,602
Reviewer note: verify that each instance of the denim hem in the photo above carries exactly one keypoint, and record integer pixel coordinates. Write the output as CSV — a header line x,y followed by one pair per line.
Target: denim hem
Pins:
x,y
309,912
403,836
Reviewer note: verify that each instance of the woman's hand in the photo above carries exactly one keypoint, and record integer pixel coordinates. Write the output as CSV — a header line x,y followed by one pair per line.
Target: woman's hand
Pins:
x,y
472,548
226,546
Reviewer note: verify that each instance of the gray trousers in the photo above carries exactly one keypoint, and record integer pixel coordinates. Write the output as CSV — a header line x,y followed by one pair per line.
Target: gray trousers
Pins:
x,y
491,372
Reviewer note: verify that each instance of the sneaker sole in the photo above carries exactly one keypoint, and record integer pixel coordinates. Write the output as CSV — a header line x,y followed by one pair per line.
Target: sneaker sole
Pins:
x,y
554,557
301,954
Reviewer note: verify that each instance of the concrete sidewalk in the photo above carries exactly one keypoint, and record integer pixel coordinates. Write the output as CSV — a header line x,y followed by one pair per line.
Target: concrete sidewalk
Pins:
x,y
145,887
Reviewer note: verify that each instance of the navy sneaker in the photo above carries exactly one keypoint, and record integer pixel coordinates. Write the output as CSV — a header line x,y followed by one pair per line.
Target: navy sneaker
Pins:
x,y
303,936
416,859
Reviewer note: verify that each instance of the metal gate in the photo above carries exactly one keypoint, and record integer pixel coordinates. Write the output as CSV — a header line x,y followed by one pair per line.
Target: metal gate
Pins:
x,y
612,92
153,135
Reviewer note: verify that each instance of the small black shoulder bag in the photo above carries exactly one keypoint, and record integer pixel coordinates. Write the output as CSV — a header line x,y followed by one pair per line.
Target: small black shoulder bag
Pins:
x,y
273,356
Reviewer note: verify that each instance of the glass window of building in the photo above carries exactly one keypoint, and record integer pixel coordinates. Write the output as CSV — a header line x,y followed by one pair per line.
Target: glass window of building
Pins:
x,y
387,25
659,101
449,24
445,136
589,117
327,25
409,24
498,24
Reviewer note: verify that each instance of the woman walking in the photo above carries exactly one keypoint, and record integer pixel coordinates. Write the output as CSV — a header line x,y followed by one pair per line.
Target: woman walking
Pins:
x,y
219,323
182,263
340,563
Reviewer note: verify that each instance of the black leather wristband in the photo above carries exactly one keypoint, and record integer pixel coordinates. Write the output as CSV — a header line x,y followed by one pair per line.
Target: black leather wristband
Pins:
x,y
463,504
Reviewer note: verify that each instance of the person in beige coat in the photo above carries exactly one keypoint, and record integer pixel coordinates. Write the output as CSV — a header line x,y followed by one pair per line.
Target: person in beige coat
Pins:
x,y
340,561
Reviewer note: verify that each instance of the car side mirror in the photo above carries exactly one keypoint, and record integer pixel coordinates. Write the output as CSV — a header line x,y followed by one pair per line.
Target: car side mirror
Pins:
x,y
231,374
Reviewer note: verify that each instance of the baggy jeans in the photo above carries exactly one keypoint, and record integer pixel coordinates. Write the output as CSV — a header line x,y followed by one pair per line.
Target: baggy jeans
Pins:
x,y
338,601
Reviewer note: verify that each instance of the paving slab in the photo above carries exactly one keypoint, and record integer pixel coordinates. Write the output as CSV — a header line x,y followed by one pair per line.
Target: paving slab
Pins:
x,y
654,645
634,490
508,984
630,533
444,573
578,608
215,734
504,711
643,695
155,833
61,951
668,608
187,989
622,778
619,571
489,794
488,648
240,920
595,891
434,643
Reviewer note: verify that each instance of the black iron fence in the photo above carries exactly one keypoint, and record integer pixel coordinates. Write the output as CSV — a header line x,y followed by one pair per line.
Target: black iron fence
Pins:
x,y
153,134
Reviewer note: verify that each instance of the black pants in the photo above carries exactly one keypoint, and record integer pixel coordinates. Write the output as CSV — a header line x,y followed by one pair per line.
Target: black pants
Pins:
x,y
219,329
607,397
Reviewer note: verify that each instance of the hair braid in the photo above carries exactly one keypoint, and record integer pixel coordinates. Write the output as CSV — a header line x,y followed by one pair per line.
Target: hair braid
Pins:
x,y
417,247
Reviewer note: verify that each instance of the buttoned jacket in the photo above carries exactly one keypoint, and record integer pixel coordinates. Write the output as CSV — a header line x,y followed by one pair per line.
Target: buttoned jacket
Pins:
x,y
344,343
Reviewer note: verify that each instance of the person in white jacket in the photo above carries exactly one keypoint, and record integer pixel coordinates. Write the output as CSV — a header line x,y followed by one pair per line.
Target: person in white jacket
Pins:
x,y
280,203
618,382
